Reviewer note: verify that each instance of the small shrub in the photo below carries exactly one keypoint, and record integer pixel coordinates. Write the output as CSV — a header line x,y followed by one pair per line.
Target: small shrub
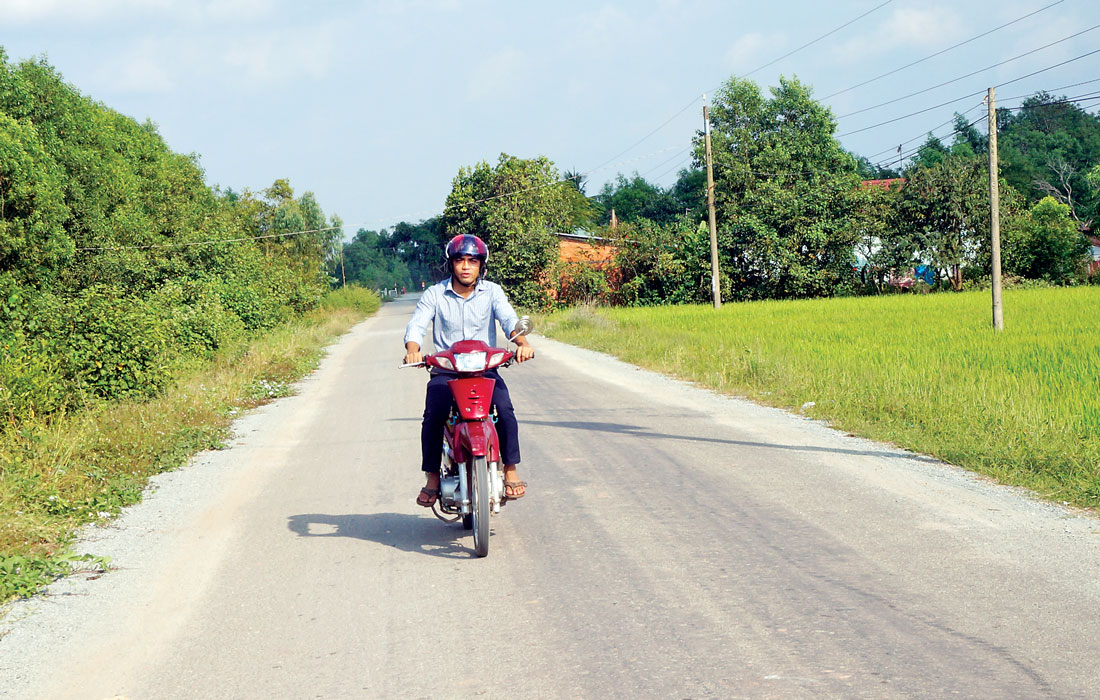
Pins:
x,y
113,344
352,296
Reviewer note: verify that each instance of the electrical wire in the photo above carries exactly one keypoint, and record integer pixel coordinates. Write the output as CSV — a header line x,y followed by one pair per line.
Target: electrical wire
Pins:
x,y
939,53
644,138
209,242
665,162
755,70
973,94
823,36
1078,99
968,75
968,111
679,165
922,134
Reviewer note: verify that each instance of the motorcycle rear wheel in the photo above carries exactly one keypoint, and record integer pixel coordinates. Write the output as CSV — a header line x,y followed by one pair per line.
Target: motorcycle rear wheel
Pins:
x,y
479,505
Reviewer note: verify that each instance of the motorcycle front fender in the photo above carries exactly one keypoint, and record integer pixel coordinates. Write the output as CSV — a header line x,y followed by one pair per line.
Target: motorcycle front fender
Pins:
x,y
477,438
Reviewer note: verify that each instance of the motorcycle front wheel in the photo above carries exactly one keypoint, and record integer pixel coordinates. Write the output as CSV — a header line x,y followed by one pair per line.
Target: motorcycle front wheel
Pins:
x,y
479,505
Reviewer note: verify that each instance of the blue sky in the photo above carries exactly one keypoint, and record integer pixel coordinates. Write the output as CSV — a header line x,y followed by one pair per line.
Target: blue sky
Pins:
x,y
374,106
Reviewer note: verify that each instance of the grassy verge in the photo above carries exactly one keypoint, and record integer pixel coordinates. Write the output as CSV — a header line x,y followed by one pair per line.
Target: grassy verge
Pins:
x,y
924,372
59,474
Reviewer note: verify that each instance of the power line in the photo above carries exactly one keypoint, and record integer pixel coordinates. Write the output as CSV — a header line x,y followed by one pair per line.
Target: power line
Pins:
x,y
965,112
968,75
1077,99
665,162
938,53
811,43
755,70
679,165
208,242
973,94
644,138
922,134
1056,65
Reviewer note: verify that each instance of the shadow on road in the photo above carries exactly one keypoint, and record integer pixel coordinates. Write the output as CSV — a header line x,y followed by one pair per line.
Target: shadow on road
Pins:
x,y
639,431
409,533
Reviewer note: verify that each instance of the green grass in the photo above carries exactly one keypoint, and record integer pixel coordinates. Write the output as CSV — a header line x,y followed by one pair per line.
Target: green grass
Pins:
x,y
925,372
60,473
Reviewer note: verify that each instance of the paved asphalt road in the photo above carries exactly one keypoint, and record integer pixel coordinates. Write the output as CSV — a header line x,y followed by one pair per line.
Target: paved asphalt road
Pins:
x,y
674,544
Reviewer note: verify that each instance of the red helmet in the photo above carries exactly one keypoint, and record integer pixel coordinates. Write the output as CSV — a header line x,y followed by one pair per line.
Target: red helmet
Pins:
x,y
468,244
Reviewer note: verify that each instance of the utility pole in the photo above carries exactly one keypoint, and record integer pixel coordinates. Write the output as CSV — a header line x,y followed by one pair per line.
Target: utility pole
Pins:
x,y
716,291
995,213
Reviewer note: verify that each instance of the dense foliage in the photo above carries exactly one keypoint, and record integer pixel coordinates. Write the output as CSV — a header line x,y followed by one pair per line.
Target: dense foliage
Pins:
x,y
797,215
516,206
117,263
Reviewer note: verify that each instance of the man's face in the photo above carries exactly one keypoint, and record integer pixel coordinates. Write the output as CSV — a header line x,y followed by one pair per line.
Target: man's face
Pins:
x,y
466,269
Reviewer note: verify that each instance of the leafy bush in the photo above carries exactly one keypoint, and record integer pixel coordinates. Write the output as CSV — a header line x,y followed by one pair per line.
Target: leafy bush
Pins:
x,y
582,284
1045,243
31,382
198,322
23,574
352,296
114,344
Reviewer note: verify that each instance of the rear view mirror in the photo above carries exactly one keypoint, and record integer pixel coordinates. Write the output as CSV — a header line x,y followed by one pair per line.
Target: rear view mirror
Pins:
x,y
523,327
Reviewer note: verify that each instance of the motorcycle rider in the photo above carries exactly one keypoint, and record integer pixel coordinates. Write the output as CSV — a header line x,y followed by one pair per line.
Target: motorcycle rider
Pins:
x,y
465,306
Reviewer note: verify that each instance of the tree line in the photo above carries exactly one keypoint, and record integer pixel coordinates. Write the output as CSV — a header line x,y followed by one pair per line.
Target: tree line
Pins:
x,y
118,265
796,215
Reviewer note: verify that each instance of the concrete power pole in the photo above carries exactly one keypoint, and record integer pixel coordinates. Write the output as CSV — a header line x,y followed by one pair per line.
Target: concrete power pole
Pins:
x,y
715,289
994,213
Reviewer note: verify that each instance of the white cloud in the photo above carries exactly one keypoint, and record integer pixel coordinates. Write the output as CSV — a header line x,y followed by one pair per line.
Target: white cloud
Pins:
x,y
500,73
752,50
417,7
906,28
23,12
283,55
138,71
921,27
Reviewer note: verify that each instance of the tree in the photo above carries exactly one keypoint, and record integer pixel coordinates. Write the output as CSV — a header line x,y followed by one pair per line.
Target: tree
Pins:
x,y
516,206
634,199
583,212
33,241
690,192
663,263
1044,242
1047,148
881,246
873,171
945,207
784,192
932,152
420,247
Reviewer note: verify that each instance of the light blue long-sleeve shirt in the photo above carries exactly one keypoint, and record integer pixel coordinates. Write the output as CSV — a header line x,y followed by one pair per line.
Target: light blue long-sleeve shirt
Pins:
x,y
454,318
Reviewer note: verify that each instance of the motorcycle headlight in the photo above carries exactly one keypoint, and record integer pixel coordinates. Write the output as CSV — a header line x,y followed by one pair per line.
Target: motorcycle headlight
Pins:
x,y
495,359
444,362
470,361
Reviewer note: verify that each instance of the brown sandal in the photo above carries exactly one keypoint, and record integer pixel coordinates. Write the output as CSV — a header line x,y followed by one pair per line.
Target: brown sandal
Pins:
x,y
427,497
513,485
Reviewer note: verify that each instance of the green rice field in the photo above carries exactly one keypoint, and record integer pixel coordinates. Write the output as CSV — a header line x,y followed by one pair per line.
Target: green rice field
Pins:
x,y
925,372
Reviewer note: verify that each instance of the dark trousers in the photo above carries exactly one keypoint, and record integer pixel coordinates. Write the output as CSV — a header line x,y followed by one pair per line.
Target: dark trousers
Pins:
x,y
437,406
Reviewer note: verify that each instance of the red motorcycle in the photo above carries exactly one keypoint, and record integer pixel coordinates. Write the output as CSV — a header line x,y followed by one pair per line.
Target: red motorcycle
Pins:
x,y
471,485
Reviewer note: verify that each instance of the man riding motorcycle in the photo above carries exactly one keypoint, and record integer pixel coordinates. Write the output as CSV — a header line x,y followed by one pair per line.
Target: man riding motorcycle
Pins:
x,y
465,306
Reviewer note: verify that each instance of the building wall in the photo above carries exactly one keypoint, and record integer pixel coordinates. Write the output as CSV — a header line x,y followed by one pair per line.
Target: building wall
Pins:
x,y
579,251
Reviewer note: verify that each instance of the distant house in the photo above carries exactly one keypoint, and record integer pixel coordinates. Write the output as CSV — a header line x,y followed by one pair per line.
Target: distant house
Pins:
x,y
1094,263
580,246
884,184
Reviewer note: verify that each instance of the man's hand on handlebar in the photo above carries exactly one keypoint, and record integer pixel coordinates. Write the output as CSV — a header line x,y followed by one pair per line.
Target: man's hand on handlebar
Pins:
x,y
412,354
524,352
